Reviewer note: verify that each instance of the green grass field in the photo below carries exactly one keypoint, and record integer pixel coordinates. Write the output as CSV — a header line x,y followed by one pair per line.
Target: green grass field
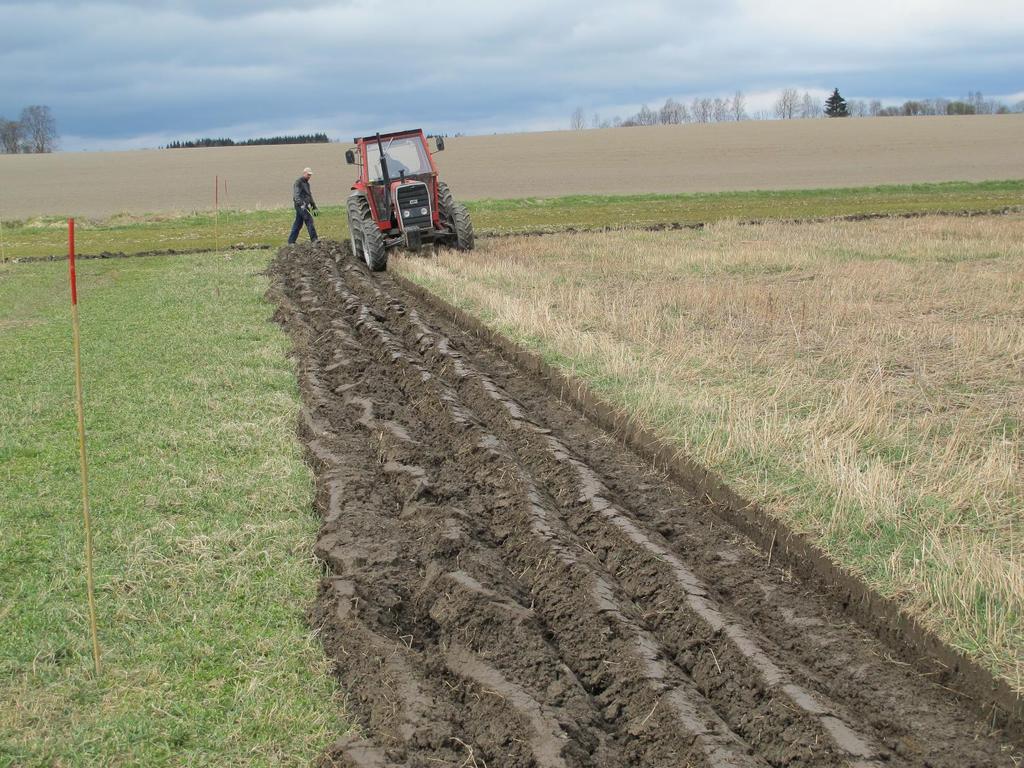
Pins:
x,y
133,234
202,515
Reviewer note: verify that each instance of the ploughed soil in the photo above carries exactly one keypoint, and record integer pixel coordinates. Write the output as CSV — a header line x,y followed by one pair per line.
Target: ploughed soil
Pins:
x,y
506,586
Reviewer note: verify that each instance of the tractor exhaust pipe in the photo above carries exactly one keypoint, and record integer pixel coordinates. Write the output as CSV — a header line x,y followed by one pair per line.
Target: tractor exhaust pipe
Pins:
x,y
387,179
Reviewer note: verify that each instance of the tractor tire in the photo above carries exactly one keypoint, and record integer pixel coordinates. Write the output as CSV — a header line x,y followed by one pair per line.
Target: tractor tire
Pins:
x,y
456,217
367,240
355,228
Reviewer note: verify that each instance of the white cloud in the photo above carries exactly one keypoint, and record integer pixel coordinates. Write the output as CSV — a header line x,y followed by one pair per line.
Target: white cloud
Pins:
x,y
130,72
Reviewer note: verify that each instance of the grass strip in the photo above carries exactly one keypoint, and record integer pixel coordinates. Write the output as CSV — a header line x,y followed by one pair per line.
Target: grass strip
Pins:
x,y
201,505
134,234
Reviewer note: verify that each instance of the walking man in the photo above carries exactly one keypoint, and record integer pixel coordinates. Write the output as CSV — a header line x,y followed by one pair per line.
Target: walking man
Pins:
x,y
304,207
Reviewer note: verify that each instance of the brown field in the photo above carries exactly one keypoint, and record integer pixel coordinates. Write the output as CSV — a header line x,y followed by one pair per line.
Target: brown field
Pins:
x,y
691,158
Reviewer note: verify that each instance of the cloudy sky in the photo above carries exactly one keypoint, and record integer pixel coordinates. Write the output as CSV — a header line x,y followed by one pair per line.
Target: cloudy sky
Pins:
x,y
121,75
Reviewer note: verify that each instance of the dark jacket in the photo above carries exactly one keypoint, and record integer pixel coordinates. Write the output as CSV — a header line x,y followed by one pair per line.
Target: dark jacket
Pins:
x,y
301,194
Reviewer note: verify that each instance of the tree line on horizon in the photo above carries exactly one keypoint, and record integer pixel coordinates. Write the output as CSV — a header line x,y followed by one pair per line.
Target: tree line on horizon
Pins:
x,y
35,131
790,105
311,138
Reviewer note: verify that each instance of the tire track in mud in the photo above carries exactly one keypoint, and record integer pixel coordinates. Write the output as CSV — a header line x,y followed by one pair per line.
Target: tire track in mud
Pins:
x,y
507,587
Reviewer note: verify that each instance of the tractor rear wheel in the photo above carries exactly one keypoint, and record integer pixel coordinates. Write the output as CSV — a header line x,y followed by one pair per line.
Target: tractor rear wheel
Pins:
x,y
355,228
367,240
456,217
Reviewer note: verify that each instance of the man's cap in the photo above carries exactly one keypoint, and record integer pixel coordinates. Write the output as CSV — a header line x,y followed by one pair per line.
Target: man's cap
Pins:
x,y
308,170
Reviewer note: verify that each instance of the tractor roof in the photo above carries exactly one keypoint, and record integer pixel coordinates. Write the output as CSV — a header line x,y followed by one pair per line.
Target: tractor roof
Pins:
x,y
392,135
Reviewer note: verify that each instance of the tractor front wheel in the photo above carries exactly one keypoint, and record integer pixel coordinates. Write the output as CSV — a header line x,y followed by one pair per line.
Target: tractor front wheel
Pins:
x,y
367,240
456,217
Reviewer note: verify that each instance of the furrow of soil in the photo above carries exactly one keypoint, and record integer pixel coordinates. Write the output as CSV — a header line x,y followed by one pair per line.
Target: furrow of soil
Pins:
x,y
506,586
557,589
658,576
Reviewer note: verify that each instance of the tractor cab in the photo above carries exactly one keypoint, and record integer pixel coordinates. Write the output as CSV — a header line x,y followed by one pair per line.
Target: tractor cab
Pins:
x,y
399,160
405,156
397,199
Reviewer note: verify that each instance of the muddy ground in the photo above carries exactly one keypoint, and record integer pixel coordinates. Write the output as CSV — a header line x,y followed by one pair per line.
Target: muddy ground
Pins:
x,y
506,586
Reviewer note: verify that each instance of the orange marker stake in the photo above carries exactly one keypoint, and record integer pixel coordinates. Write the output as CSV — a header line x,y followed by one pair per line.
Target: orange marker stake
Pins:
x,y
81,447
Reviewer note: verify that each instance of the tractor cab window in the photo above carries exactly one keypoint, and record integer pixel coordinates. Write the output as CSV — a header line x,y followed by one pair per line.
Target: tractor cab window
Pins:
x,y
402,155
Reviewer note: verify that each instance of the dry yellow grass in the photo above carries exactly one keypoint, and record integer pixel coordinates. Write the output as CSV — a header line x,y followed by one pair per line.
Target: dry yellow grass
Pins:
x,y
865,381
792,154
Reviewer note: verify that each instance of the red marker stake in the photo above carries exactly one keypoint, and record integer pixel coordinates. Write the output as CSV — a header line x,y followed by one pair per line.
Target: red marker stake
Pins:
x,y
81,446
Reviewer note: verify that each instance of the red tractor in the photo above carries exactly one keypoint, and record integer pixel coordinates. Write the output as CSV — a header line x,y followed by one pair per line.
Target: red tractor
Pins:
x,y
398,201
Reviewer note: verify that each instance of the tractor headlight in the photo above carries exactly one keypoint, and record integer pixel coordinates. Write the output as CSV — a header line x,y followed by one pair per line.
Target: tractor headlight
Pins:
x,y
406,214
423,211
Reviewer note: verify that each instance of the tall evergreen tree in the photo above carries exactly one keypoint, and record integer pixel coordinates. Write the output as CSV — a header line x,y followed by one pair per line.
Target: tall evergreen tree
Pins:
x,y
835,105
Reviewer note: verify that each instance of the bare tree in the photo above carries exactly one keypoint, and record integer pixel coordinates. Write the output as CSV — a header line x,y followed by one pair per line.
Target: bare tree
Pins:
x,y
595,121
40,128
702,110
809,107
720,110
10,136
738,106
875,108
665,113
707,107
646,116
578,119
857,108
786,104
673,113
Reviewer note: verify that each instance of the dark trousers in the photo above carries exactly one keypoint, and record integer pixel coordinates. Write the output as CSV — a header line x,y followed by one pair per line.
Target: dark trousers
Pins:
x,y
302,216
